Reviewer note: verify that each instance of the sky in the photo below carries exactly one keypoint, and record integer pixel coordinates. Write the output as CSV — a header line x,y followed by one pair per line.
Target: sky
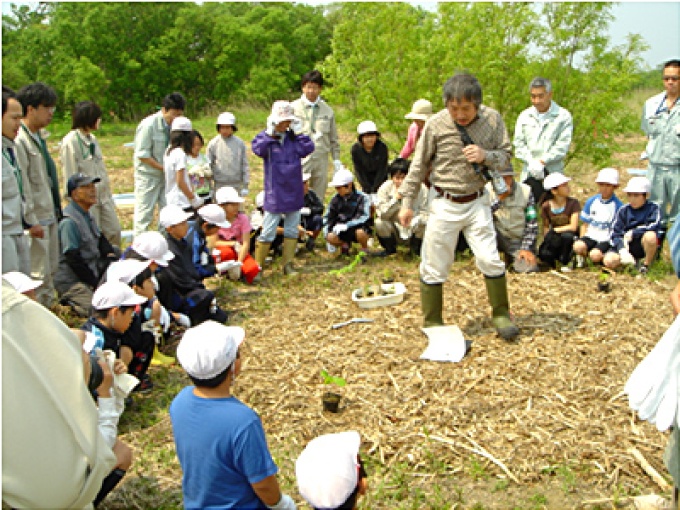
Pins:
x,y
657,22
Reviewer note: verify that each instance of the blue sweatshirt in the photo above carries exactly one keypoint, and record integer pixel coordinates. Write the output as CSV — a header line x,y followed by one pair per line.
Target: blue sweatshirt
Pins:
x,y
639,221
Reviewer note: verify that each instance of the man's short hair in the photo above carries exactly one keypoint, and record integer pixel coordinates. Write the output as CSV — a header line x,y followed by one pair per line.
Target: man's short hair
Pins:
x,y
672,63
85,115
540,83
313,77
35,95
463,86
174,101
399,166
7,94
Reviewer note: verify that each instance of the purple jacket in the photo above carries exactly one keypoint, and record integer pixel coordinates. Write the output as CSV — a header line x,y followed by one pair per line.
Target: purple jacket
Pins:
x,y
283,189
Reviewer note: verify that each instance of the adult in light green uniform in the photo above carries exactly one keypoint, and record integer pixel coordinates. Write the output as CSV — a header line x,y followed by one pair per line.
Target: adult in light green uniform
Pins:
x,y
661,124
151,140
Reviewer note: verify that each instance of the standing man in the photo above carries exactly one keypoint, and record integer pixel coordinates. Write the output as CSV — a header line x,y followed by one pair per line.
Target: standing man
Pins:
x,y
15,252
461,204
151,140
661,124
318,122
542,136
42,203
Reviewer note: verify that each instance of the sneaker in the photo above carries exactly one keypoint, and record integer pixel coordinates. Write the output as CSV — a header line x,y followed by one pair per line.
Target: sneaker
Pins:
x,y
580,262
145,385
310,243
644,269
565,269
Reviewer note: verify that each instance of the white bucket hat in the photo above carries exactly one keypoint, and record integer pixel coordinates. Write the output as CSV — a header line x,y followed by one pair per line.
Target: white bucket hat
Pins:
x,y
327,470
341,178
227,119
421,110
21,282
213,213
181,124
173,214
637,185
206,350
228,195
153,246
555,180
367,126
113,294
608,176
282,111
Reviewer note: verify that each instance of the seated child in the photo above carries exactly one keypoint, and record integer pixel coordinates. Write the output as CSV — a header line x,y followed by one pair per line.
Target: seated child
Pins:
x,y
210,219
311,220
113,314
228,156
199,169
387,225
233,242
597,216
348,216
330,473
369,156
635,232
420,112
186,292
560,221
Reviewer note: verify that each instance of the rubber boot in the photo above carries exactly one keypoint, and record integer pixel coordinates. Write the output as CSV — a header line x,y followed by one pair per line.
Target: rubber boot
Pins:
x,y
261,252
161,359
289,247
431,302
497,289
389,245
415,244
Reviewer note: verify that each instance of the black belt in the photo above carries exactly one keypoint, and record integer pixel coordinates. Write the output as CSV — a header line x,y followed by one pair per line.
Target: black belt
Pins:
x,y
459,199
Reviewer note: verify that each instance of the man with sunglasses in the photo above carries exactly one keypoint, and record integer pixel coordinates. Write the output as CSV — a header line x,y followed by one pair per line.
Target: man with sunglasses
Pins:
x,y
661,124
42,202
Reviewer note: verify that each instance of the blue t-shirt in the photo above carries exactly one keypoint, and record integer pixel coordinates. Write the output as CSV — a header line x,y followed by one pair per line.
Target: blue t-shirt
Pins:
x,y
222,449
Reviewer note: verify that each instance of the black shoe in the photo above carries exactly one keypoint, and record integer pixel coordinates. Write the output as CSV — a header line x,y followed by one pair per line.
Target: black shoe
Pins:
x,y
310,243
145,385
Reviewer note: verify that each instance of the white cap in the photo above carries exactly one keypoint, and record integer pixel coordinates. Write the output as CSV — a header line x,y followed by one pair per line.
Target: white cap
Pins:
x,y
21,282
153,246
421,110
213,213
367,126
259,199
181,123
112,294
638,185
125,270
226,119
206,350
608,176
341,178
554,180
282,111
228,195
173,214
327,470
306,177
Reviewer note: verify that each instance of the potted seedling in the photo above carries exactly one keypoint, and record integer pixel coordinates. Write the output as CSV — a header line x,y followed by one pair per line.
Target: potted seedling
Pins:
x,y
331,400
603,284
375,295
388,276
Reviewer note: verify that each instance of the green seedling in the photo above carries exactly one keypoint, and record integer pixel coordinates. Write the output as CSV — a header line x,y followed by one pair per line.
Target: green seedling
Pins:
x,y
349,267
331,379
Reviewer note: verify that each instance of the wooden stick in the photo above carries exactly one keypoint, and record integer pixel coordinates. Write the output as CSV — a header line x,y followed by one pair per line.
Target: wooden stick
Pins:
x,y
647,467
480,451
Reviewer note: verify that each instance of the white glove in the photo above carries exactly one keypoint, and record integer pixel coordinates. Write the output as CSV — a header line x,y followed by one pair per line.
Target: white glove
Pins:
x,y
183,320
414,223
628,237
204,258
244,192
196,202
337,165
339,228
225,266
296,126
331,248
285,503
535,169
271,125
374,198
237,247
165,320
305,211
626,258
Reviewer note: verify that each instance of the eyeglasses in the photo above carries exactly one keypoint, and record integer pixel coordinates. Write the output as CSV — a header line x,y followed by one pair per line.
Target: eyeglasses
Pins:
x,y
671,78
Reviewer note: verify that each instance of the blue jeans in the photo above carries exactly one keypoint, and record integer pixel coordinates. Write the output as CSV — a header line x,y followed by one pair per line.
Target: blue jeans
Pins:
x,y
291,221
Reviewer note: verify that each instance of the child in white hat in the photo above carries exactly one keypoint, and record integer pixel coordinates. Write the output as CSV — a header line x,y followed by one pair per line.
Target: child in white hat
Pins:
x,y
178,187
348,216
228,156
636,229
420,112
560,214
598,216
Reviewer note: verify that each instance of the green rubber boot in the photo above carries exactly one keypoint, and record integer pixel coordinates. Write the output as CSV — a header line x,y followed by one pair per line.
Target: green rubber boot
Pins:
x,y
261,252
431,302
497,289
289,247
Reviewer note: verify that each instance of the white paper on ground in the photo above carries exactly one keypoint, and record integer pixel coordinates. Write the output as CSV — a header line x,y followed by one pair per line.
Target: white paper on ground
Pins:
x,y
446,343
